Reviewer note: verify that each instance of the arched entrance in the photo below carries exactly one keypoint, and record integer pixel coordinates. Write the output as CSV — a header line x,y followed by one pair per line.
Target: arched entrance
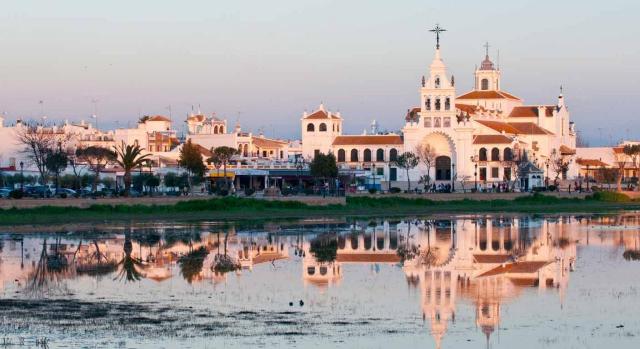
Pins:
x,y
443,168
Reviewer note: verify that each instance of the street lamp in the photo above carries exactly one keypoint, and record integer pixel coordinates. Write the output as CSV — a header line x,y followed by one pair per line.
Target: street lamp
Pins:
x,y
475,172
453,178
21,176
546,179
373,171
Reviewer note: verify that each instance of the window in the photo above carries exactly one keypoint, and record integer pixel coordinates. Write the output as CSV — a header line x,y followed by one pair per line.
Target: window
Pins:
x,y
316,152
507,173
341,155
484,84
447,103
508,154
338,128
354,155
495,172
495,154
323,127
281,154
264,153
310,128
367,155
393,174
427,122
436,122
380,171
483,173
379,155
427,104
482,154
446,122
437,82
393,154
221,129
437,103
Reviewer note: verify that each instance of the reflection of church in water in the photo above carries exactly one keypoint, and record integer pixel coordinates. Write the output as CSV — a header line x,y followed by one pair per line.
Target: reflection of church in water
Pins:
x,y
486,261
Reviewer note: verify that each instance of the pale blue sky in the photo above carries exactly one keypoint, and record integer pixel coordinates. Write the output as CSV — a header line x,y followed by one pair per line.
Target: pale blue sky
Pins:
x,y
271,60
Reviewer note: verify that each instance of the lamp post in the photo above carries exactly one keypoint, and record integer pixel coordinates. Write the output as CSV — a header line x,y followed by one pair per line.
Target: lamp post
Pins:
x,y
587,177
453,178
546,178
373,172
21,176
475,172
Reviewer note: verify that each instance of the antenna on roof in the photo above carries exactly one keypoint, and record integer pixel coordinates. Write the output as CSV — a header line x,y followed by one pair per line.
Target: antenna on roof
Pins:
x,y
498,59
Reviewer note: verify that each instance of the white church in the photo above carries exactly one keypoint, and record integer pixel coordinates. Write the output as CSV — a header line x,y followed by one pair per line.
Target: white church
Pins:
x,y
475,135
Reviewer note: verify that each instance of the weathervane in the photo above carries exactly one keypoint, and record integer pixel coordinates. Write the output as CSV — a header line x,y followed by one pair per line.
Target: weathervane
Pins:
x,y
486,47
437,30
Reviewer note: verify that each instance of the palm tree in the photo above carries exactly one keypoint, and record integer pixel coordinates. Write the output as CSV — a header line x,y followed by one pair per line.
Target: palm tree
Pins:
x,y
129,157
129,265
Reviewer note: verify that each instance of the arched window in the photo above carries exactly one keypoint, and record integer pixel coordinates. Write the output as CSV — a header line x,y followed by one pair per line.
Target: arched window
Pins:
x,y
354,155
508,154
482,154
437,103
427,104
447,104
245,152
310,128
341,155
337,128
221,130
393,154
437,82
484,84
215,130
367,155
495,154
379,155
323,127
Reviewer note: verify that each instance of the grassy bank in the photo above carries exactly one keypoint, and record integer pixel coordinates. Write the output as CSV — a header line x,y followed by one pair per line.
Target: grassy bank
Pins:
x,y
231,208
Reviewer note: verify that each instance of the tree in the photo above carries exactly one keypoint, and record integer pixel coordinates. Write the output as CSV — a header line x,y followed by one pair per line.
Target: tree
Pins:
x,y
129,157
324,166
38,143
223,155
633,153
407,161
56,161
97,158
560,165
191,160
427,155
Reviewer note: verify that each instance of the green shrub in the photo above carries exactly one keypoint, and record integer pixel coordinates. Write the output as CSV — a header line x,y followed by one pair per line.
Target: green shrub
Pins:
x,y
609,196
16,194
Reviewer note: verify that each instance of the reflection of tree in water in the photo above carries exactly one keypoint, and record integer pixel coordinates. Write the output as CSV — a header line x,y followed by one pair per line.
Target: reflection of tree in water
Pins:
x,y
325,247
129,266
51,269
148,238
96,262
223,263
191,263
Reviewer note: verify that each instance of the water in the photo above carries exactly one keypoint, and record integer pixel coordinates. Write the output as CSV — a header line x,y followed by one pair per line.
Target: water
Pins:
x,y
462,282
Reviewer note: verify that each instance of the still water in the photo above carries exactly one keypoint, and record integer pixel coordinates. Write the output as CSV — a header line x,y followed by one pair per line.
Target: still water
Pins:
x,y
462,282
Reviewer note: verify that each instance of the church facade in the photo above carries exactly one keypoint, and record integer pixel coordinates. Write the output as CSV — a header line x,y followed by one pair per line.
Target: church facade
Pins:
x,y
478,136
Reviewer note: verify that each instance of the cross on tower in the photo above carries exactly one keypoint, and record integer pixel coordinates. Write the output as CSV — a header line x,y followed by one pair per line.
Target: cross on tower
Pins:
x,y
437,30
486,47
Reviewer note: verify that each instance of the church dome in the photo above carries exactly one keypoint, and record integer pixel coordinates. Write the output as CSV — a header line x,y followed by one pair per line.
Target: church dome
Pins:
x,y
487,64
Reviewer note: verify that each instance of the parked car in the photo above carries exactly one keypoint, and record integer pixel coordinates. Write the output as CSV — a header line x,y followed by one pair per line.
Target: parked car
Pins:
x,y
66,193
4,193
38,191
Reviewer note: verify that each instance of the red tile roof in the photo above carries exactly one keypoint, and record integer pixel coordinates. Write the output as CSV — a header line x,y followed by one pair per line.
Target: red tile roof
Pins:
x,y
564,150
530,111
591,162
267,142
491,258
158,118
525,128
321,114
492,139
469,109
516,268
368,140
487,95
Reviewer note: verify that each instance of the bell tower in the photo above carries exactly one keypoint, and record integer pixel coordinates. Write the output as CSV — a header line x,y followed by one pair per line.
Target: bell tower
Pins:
x,y
487,76
437,93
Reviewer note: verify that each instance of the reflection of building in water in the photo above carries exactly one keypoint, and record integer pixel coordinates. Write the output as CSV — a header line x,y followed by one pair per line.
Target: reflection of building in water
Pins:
x,y
487,261
362,243
254,249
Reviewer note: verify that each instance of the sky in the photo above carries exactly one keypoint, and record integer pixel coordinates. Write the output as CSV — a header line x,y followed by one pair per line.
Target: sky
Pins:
x,y
263,63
